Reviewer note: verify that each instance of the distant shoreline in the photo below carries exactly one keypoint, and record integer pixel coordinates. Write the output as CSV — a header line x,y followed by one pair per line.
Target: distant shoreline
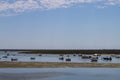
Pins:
x,y
57,65
66,51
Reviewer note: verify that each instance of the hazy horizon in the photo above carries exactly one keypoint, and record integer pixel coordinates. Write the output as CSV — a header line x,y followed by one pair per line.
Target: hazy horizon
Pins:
x,y
59,24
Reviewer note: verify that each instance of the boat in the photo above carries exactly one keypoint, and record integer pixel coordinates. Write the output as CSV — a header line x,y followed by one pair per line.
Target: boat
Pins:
x,y
85,57
94,59
32,58
107,58
40,55
4,57
61,58
14,59
68,59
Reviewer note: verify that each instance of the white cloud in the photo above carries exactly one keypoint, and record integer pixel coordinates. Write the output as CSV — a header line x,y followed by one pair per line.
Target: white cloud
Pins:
x,y
113,2
19,6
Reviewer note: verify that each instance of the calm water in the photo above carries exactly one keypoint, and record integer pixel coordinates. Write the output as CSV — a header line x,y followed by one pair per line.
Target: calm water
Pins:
x,y
60,74
50,58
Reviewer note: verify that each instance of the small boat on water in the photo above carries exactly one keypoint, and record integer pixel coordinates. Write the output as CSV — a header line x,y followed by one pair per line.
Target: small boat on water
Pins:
x,y
74,55
5,57
61,58
14,59
94,59
8,54
80,55
107,58
85,56
96,54
40,55
32,58
118,56
68,59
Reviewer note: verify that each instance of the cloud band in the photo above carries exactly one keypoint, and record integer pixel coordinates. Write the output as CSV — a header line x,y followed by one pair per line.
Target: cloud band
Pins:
x,y
19,6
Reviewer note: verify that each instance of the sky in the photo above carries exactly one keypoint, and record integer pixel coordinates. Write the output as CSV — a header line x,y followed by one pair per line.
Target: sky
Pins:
x,y
59,24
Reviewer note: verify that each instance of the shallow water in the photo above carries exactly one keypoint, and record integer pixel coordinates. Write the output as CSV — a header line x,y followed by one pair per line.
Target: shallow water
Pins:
x,y
50,58
60,74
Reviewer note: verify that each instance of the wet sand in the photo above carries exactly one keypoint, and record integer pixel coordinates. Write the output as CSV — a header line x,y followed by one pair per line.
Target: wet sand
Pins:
x,y
57,65
30,76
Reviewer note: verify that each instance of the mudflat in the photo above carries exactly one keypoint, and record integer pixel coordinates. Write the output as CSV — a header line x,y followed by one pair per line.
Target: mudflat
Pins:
x,y
57,65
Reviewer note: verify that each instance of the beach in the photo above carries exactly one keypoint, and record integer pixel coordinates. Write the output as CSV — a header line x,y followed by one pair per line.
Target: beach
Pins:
x,y
57,65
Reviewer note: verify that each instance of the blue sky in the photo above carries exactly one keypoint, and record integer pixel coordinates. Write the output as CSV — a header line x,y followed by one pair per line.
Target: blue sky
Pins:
x,y
77,25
